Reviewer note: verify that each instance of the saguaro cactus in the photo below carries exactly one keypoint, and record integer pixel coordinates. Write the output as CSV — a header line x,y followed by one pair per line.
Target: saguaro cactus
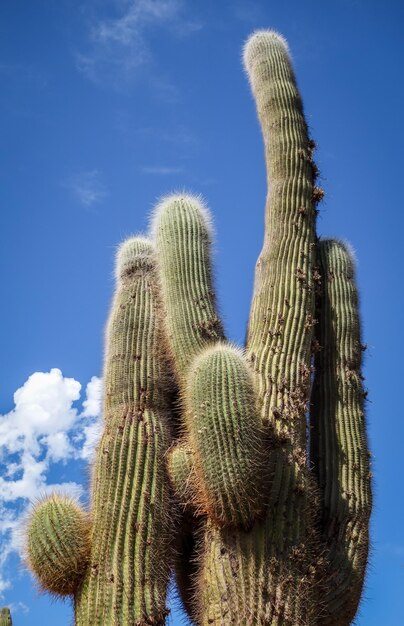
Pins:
x,y
269,460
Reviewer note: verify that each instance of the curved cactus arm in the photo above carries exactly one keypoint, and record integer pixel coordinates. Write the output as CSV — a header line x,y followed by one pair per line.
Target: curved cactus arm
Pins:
x,y
58,544
5,617
339,449
132,543
282,310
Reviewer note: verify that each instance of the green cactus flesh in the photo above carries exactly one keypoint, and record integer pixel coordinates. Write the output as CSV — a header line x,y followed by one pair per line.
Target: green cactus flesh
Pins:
x,y
131,550
180,467
269,486
58,544
338,441
5,617
224,431
181,231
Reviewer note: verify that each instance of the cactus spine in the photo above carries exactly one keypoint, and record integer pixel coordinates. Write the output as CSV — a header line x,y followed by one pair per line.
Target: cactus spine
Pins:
x,y
274,520
5,617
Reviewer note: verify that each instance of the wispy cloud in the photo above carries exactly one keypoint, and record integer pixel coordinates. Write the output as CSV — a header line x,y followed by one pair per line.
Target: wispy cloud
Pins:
x,y
18,607
162,170
43,428
117,47
87,187
175,135
249,12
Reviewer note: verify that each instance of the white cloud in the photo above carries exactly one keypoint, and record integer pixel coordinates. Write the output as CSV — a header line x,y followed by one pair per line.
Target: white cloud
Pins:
x,y
92,404
118,47
42,429
92,408
87,187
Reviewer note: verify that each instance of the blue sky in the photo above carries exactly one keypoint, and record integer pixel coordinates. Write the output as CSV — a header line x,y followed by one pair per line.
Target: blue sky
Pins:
x,y
105,106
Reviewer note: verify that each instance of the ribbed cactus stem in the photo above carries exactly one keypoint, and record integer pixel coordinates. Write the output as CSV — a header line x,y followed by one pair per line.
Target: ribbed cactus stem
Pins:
x,y
223,427
5,617
131,555
282,312
58,544
182,232
338,440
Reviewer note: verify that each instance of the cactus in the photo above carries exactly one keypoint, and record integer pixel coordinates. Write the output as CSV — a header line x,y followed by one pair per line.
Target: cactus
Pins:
x,y
125,571
5,617
303,563
264,448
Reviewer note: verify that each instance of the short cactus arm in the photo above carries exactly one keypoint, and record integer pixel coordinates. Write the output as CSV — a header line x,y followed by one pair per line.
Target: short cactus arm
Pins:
x,y
58,544
132,542
225,431
5,617
338,437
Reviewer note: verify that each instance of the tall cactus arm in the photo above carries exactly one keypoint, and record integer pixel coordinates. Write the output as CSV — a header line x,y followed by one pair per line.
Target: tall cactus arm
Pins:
x,y
131,555
269,576
5,617
282,311
58,544
339,449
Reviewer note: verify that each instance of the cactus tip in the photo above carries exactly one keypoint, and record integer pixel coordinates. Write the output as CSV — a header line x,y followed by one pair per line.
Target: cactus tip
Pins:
x,y
130,252
259,41
344,248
